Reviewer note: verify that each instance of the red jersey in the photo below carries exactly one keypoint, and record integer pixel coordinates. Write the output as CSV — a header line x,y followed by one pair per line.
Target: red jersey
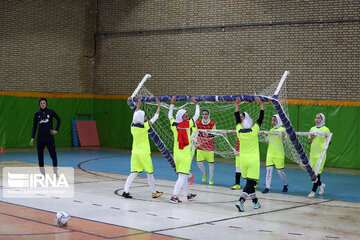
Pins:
x,y
205,141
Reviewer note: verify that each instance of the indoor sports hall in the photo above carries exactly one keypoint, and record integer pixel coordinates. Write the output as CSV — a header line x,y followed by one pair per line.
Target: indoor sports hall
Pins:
x,y
74,76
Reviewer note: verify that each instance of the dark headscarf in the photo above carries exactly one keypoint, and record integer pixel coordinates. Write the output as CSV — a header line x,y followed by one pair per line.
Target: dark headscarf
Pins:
x,y
42,99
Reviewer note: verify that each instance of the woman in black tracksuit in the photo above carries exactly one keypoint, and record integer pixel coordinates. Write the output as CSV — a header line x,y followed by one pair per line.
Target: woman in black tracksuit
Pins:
x,y
44,118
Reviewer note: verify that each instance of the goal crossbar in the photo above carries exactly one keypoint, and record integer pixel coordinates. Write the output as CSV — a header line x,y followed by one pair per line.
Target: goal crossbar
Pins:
x,y
227,98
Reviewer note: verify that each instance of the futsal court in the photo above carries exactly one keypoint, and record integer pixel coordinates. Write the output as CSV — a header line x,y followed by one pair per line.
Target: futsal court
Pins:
x,y
99,212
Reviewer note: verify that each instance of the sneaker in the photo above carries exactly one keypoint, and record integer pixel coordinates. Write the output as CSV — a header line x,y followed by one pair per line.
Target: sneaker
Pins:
x,y
211,182
235,187
266,190
257,205
285,189
157,194
311,195
191,179
42,170
175,200
240,206
191,196
126,195
204,177
321,189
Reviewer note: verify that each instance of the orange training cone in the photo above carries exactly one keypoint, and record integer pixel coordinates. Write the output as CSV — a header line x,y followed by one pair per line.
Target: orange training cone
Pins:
x,y
2,149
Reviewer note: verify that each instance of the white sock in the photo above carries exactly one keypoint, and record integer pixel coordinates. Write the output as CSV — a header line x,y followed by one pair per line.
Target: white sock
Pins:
x,y
252,195
151,182
244,195
211,171
179,184
269,171
186,185
202,168
129,181
282,175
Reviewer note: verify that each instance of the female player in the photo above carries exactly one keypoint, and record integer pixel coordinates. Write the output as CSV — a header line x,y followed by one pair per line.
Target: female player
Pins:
x,y
247,132
205,146
181,128
141,154
275,154
45,137
317,145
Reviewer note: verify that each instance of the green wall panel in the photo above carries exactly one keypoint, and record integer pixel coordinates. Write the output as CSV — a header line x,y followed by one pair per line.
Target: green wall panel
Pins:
x,y
343,122
113,117
17,115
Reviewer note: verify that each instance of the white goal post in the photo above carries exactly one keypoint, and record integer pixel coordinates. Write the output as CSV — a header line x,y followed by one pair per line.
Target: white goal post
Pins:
x,y
222,108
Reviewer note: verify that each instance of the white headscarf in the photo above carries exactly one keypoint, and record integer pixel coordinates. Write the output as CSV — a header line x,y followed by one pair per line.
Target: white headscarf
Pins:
x,y
208,120
247,122
179,115
138,117
279,122
322,121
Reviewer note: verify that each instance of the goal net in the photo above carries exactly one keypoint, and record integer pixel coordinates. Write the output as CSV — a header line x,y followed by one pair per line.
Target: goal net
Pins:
x,y
223,140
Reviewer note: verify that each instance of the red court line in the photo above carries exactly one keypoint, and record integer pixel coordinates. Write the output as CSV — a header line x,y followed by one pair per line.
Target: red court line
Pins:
x,y
20,222
11,225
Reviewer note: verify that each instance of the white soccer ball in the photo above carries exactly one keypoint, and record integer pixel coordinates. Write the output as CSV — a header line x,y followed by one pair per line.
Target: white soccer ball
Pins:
x,y
62,218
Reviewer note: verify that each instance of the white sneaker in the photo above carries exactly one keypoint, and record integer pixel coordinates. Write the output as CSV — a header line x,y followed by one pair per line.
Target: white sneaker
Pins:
x,y
311,195
321,189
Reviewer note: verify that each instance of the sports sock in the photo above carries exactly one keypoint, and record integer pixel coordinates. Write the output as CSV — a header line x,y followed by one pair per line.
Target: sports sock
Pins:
x,y
253,197
129,181
269,171
211,171
201,167
179,183
151,182
186,184
282,175
243,197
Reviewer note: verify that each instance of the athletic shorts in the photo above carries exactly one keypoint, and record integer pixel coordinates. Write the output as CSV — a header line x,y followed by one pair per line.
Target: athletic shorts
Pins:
x,y
250,169
202,156
277,162
182,159
141,162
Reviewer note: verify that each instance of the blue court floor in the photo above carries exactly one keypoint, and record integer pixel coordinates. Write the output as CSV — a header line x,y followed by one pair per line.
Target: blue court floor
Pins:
x,y
343,187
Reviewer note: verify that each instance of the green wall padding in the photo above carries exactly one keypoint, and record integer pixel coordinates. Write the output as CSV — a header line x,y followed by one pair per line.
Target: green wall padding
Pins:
x,y
113,117
17,115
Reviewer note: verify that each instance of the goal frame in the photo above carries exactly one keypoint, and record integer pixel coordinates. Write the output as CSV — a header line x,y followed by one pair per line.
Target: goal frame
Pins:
x,y
132,100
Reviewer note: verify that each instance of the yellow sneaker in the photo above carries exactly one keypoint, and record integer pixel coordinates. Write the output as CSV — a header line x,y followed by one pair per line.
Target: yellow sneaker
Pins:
x,y
211,182
204,177
157,194
235,187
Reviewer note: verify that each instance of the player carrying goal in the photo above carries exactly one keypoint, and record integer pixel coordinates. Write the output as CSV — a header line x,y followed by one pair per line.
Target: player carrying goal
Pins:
x,y
205,146
317,146
141,155
247,132
275,153
181,128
